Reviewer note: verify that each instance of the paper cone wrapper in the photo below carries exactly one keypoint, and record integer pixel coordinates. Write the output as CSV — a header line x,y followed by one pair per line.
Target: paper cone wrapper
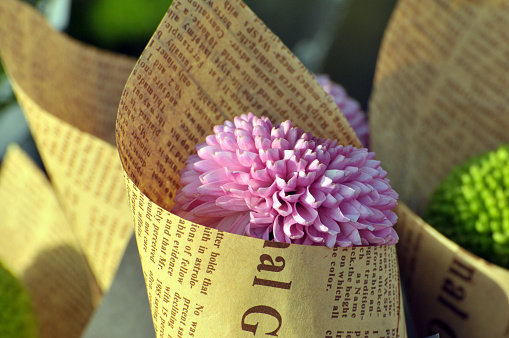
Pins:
x,y
440,97
63,239
39,247
207,62
69,94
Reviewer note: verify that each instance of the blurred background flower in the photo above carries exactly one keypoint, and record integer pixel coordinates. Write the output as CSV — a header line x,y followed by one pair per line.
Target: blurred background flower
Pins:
x,y
348,106
471,206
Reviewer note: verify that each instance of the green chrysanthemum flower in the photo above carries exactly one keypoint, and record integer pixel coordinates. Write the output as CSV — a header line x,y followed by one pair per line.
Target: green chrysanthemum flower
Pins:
x,y
471,206
17,317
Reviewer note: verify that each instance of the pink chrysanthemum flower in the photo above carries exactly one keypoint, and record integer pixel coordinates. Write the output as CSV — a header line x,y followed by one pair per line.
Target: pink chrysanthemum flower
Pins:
x,y
348,106
282,184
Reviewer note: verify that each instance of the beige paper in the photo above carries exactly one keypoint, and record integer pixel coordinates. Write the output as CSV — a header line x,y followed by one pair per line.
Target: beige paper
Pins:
x,y
69,93
39,247
210,61
450,291
206,283
440,97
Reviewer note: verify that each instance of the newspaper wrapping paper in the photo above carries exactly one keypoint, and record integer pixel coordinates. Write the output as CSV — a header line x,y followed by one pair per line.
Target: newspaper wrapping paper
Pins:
x,y
207,62
440,97
39,247
69,94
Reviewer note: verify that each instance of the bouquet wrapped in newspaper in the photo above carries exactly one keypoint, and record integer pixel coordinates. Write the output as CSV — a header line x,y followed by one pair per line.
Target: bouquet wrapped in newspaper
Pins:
x,y
440,98
442,73
207,63
67,248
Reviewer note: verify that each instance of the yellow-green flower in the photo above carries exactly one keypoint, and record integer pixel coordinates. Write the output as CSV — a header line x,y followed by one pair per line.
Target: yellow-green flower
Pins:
x,y
471,206
17,317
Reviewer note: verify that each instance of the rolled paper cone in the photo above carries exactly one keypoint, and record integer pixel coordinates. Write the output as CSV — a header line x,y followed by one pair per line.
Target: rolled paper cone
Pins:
x,y
40,248
440,98
204,64
66,239
69,95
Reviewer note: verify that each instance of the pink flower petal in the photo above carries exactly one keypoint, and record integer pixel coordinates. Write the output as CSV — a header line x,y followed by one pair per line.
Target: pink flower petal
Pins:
x,y
215,176
210,208
305,179
227,141
292,196
259,204
292,229
261,190
349,211
278,231
261,175
330,202
207,153
262,144
239,177
277,169
316,235
304,214
205,166
355,238
234,224
281,206
348,192
313,197
227,159
191,189
210,189
232,203
261,219
246,143
281,144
